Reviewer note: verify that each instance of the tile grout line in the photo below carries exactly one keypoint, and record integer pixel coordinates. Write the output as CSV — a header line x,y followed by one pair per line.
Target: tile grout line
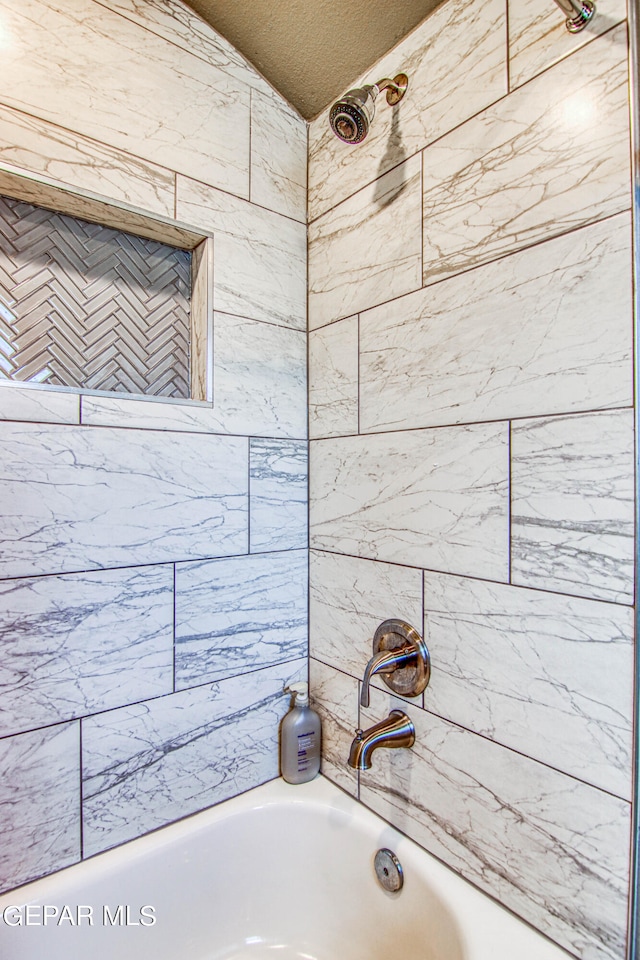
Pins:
x,y
463,270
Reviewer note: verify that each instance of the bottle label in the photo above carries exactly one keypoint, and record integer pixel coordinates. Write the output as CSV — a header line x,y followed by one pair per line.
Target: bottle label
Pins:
x,y
306,745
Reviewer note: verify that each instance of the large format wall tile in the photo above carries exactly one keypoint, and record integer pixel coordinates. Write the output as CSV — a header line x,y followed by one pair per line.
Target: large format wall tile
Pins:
x,y
259,378
551,157
538,35
456,64
182,26
239,614
335,696
172,108
572,505
279,495
71,160
549,676
81,643
146,765
259,256
368,249
349,598
278,156
76,498
333,379
40,803
551,848
429,498
547,330
38,406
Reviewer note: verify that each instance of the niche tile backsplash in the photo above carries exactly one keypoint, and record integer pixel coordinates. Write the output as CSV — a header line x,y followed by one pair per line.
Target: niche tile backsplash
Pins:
x,y
82,305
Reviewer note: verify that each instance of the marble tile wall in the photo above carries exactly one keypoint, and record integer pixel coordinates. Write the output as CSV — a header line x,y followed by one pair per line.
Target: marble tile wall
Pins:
x,y
472,460
153,567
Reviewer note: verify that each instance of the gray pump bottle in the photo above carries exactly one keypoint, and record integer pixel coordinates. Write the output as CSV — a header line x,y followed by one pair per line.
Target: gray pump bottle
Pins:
x,y
300,737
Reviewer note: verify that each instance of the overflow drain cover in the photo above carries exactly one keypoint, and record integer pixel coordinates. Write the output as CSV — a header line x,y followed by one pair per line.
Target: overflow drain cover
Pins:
x,y
388,870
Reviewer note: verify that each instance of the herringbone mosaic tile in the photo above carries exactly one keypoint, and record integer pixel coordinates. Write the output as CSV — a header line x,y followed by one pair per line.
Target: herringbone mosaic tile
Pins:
x,y
83,305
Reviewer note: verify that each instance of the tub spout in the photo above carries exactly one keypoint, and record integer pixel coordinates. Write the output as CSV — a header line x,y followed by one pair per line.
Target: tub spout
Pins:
x,y
396,731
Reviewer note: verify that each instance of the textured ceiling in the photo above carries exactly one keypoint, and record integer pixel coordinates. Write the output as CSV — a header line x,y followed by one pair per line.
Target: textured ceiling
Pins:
x,y
312,51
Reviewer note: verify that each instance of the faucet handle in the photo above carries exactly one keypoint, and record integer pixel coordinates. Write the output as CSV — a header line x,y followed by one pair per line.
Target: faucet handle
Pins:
x,y
401,656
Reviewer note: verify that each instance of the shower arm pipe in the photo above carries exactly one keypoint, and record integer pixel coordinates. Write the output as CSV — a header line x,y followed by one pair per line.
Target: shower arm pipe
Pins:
x,y
577,12
396,88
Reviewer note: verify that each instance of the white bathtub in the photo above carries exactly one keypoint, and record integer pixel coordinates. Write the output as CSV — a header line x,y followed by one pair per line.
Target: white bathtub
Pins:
x,y
283,873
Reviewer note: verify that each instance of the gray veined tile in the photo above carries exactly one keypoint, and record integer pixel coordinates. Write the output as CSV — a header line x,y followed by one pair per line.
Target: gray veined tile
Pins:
x,y
182,26
61,157
368,249
546,330
76,497
349,598
278,156
547,675
456,64
333,379
81,643
572,505
538,36
40,803
259,378
551,157
430,498
239,614
335,696
278,487
552,849
38,406
181,113
149,764
260,257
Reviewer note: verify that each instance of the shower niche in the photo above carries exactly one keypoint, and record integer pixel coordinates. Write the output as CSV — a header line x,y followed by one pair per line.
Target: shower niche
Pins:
x,y
99,309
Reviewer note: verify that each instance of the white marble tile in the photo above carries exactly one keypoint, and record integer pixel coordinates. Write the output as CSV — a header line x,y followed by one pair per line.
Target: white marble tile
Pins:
x,y
368,249
547,330
552,849
349,598
39,406
70,160
456,64
77,644
278,156
178,23
572,505
239,614
78,497
333,379
260,256
259,378
549,676
538,35
429,498
551,157
147,765
335,696
40,803
278,495
149,414
138,92
259,386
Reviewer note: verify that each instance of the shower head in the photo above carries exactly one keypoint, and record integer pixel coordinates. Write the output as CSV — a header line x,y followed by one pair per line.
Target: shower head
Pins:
x,y
351,116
